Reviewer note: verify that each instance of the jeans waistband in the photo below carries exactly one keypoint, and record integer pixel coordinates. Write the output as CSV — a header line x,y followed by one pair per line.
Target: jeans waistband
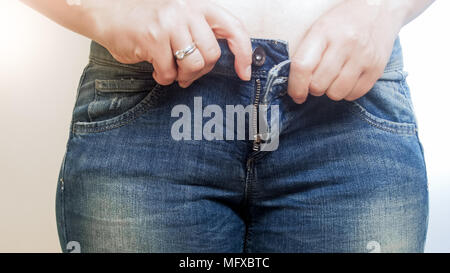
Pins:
x,y
276,52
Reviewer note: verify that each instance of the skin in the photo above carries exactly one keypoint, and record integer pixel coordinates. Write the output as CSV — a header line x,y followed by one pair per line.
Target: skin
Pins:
x,y
345,51
153,30
341,54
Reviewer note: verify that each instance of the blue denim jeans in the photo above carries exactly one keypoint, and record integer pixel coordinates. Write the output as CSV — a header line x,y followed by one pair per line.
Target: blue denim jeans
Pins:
x,y
343,177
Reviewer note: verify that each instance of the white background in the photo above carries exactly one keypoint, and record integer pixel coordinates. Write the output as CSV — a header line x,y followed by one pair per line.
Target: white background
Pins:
x,y
426,47
40,67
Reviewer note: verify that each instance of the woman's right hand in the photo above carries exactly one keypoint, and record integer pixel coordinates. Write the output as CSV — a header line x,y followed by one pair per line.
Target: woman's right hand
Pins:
x,y
153,30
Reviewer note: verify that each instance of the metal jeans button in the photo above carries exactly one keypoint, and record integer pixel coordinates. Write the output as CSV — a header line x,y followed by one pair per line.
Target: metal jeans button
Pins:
x,y
259,56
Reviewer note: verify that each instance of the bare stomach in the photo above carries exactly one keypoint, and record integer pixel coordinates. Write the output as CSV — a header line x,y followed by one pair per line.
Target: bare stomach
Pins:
x,y
286,20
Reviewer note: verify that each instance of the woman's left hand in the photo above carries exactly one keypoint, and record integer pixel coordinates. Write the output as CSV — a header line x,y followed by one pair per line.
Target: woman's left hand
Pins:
x,y
345,51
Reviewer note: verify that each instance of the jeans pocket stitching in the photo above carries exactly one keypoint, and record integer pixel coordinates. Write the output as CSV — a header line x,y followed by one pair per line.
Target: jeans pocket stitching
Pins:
x,y
383,124
123,119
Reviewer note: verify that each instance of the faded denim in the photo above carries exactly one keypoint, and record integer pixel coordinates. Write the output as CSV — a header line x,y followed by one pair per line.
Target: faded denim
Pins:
x,y
346,176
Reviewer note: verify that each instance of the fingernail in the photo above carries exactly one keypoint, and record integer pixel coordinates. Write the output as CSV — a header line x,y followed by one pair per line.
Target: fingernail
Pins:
x,y
299,100
184,84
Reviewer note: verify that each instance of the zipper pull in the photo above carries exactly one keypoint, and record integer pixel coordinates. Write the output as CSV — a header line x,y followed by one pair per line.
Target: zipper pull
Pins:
x,y
257,143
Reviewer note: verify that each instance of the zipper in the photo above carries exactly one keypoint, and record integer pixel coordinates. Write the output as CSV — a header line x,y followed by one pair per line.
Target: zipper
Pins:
x,y
273,74
257,137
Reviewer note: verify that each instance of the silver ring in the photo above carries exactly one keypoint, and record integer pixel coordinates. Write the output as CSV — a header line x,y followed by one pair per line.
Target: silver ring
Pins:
x,y
181,54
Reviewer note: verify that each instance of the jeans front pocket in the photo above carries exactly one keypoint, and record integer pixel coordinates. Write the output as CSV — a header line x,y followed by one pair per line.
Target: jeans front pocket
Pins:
x,y
112,98
387,106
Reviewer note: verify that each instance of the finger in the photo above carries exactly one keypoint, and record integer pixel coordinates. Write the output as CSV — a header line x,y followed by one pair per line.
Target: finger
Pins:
x,y
328,70
207,45
346,81
191,64
161,57
225,25
304,62
365,82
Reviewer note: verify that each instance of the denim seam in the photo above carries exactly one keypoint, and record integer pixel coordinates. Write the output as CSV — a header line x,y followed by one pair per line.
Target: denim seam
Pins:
x,y
63,167
121,120
104,62
83,76
260,73
422,151
62,196
247,194
273,41
389,126
230,73
406,93
403,89
427,188
107,86
393,67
